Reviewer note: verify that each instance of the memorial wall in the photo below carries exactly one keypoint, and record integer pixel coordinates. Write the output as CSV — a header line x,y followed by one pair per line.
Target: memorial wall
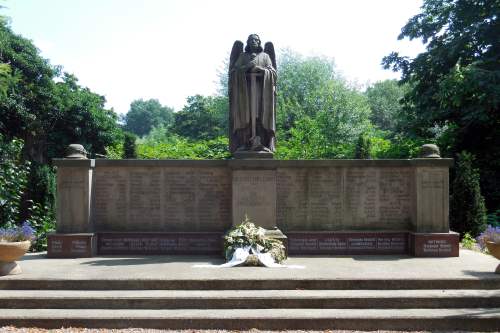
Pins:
x,y
321,205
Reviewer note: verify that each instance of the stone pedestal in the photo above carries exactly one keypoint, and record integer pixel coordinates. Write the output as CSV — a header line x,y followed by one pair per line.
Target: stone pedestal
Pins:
x,y
245,154
254,195
74,183
431,192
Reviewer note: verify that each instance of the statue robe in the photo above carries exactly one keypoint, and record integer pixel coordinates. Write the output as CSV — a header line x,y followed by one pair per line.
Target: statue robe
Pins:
x,y
239,87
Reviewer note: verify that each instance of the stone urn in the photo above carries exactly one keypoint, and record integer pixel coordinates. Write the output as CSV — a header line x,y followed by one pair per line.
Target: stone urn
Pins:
x,y
494,249
9,253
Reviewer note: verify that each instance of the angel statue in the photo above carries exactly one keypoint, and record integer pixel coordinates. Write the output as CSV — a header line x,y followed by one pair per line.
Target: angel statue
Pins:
x,y
252,103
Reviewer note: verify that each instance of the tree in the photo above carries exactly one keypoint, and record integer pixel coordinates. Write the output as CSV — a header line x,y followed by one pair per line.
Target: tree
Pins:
x,y
318,114
144,115
385,98
304,87
467,209
82,119
47,110
203,118
455,83
129,147
363,147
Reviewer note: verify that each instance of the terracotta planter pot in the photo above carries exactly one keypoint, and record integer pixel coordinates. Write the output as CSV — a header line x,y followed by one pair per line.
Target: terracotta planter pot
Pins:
x,y
494,249
9,253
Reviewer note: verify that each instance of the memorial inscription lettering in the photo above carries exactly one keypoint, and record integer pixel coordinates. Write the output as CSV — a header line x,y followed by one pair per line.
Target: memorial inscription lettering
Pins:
x,y
254,195
309,199
347,243
160,243
395,198
162,199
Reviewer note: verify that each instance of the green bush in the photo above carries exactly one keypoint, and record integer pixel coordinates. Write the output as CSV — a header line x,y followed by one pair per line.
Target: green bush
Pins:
x,y
129,147
15,175
468,242
175,147
493,218
43,221
13,180
363,147
467,208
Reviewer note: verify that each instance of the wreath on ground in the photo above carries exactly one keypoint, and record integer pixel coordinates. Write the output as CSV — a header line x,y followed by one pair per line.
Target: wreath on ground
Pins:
x,y
252,238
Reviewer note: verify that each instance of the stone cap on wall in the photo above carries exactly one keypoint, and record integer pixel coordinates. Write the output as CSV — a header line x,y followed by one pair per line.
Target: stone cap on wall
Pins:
x,y
255,164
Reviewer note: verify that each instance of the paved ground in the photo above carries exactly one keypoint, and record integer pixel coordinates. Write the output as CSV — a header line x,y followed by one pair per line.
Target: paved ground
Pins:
x,y
470,265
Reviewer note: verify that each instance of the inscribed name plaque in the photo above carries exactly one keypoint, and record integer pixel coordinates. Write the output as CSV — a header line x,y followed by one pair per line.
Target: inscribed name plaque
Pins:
x,y
160,243
73,188
70,245
378,198
161,199
254,195
434,244
347,243
432,200
309,199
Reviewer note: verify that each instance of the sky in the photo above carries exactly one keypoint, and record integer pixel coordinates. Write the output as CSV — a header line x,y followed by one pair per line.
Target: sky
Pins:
x,y
171,49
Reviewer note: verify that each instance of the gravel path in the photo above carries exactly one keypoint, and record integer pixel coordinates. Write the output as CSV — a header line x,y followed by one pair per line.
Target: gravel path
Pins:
x,y
10,329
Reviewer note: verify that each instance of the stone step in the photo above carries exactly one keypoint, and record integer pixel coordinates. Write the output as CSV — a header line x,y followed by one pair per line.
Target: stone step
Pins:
x,y
485,282
247,299
478,319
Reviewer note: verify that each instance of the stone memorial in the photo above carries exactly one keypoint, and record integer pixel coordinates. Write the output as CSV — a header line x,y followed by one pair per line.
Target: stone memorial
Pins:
x,y
324,207
252,103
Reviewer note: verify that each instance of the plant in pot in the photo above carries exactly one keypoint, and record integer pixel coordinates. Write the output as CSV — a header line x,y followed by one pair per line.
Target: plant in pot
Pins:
x,y
490,239
14,243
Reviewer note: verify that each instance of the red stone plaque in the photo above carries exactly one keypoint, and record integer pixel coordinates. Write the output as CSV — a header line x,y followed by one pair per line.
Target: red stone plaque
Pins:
x,y
203,243
71,245
338,243
434,244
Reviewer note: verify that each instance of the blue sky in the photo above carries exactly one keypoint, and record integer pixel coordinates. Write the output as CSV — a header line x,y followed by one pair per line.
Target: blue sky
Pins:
x,y
131,49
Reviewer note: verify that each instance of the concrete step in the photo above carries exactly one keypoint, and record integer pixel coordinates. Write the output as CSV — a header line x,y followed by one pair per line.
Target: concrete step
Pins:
x,y
490,281
248,299
478,319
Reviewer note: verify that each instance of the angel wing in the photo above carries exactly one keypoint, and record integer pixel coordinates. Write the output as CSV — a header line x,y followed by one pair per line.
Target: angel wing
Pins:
x,y
269,49
235,53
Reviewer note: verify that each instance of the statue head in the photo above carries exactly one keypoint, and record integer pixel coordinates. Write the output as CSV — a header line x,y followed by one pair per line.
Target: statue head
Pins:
x,y
253,44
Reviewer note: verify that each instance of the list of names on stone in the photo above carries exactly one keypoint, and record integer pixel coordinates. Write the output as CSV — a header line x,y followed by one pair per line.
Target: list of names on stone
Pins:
x,y
361,197
291,195
179,206
325,198
347,243
196,199
395,198
110,198
144,193
254,195
160,244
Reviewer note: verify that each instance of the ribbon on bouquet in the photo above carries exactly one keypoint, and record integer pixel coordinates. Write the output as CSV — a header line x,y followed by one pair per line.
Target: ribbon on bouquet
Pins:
x,y
241,254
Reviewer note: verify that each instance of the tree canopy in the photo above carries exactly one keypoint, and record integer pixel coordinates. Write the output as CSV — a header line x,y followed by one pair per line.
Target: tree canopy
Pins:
x,y
46,114
146,114
455,83
203,118
319,115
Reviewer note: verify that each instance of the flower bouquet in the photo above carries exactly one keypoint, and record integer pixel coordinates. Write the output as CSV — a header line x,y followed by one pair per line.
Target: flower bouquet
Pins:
x,y
247,237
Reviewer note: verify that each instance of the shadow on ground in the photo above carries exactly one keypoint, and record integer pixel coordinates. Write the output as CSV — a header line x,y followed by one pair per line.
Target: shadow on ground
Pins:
x,y
152,260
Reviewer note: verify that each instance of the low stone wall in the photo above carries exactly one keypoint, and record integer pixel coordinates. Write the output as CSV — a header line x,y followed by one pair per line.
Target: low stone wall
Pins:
x,y
197,196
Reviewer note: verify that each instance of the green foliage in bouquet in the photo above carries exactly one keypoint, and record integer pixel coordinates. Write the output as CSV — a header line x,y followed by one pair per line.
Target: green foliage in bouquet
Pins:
x,y
248,234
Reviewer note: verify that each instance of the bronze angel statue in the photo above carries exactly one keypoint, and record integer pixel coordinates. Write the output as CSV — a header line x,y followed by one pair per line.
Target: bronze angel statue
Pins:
x,y
252,96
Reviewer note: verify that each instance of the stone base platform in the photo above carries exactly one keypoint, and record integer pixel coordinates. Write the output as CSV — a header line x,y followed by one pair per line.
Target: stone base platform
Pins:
x,y
368,293
211,243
